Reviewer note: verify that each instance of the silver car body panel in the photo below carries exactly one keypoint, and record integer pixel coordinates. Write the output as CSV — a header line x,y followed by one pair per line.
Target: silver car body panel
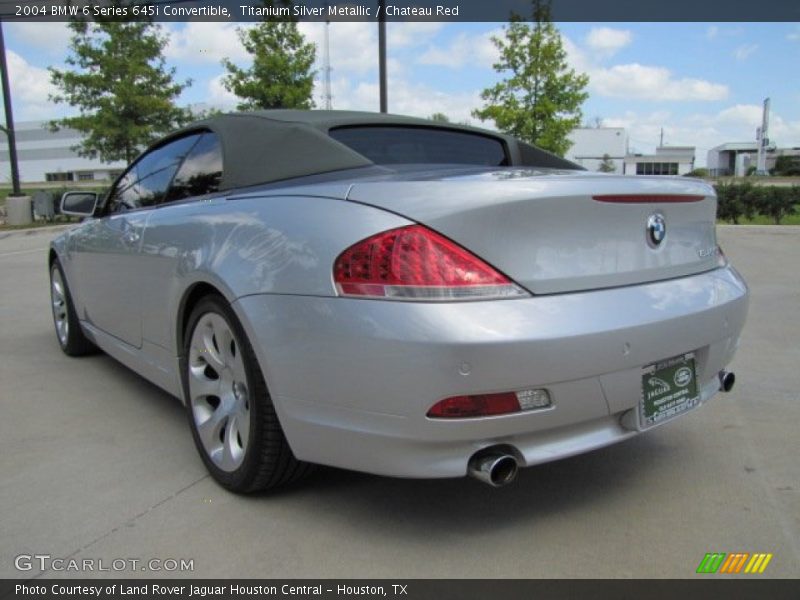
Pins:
x,y
371,370
353,379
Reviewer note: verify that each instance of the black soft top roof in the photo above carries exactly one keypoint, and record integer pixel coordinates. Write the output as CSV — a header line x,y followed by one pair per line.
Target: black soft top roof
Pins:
x,y
273,145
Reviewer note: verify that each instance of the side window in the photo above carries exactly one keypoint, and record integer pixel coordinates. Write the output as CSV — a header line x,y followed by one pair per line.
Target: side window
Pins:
x,y
201,172
146,182
119,197
164,157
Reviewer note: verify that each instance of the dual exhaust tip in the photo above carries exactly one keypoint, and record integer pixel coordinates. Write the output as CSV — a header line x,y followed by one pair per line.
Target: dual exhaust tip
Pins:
x,y
497,467
494,467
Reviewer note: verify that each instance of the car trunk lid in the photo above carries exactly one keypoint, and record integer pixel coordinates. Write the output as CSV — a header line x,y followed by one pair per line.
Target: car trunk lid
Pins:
x,y
561,231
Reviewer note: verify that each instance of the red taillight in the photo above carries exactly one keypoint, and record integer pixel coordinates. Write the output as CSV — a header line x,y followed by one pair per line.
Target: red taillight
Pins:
x,y
415,263
459,407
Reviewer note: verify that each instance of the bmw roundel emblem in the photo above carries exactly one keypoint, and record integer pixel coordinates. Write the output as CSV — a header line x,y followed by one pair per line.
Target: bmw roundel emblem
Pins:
x,y
656,229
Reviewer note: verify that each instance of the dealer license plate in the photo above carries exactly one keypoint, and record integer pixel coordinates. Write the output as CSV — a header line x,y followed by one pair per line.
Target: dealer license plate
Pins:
x,y
669,388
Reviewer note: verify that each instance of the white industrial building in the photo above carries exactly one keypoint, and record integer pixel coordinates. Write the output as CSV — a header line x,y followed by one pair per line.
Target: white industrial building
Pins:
x,y
591,144
45,155
736,158
668,160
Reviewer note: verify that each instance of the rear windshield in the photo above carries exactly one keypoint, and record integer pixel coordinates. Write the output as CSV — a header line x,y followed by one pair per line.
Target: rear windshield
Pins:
x,y
421,145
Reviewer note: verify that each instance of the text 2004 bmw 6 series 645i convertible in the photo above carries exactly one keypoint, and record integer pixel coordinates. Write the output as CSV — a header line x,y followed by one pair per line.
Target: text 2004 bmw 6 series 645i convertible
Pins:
x,y
396,296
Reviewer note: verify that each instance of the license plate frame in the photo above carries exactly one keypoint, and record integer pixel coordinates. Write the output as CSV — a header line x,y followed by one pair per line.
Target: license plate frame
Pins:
x,y
669,389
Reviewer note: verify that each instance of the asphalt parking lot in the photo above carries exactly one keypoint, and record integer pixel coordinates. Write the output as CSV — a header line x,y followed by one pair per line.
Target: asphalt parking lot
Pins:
x,y
97,463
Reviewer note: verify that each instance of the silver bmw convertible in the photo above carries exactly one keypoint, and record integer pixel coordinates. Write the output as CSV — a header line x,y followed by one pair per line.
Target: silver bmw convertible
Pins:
x,y
397,296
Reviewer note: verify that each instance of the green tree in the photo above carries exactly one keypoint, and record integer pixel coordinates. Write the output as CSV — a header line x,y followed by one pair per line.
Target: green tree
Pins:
x,y
121,87
787,166
439,117
540,98
280,75
778,202
607,165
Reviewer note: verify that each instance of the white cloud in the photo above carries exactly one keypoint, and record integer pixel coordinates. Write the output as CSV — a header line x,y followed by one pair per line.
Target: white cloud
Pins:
x,y
219,97
354,45
794,36
745,118
640,82
30,88
53,38
576,57
198,42
744,51
712,32
633,81
463,50
652,83
606,41
741,114
786,132
411,33
454,56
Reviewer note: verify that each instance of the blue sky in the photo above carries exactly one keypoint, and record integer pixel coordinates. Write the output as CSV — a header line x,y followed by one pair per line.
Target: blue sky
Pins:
x,y
702,82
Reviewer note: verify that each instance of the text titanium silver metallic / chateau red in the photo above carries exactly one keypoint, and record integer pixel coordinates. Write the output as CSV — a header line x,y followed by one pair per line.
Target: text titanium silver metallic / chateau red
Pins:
x,y
396,296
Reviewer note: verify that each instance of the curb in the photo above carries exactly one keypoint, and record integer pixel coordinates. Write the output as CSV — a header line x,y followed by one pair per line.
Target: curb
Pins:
x,y
35,230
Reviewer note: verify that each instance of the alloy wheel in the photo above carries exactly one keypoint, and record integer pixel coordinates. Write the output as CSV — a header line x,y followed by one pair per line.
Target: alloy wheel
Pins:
x,y
58,297
218,392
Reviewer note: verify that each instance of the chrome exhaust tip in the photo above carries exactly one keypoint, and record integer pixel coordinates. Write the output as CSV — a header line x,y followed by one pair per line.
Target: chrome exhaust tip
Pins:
x,y
493,467
726,381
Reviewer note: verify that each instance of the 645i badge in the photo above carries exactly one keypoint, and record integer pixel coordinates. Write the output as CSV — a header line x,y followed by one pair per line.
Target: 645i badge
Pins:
x,y
669,388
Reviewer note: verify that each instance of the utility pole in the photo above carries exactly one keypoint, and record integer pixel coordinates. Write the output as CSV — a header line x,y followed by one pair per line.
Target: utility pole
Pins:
x,y
9,128
382,58
661,143
763,140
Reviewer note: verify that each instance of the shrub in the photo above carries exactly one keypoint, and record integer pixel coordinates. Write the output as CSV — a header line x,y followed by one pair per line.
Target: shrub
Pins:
x,y
778,202
787,166
736,200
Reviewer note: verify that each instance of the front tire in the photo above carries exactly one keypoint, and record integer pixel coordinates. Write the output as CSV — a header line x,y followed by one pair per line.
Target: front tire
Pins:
x,y
68,329
233,420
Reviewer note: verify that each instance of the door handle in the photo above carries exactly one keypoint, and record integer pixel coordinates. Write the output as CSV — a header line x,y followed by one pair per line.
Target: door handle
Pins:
x,y
130,237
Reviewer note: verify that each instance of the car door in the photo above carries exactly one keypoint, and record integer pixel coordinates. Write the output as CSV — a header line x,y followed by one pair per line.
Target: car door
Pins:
x,y
107,251
176,235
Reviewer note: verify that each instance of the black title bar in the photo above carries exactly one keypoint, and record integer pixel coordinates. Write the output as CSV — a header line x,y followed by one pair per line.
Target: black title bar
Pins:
x,y
704,587
400,10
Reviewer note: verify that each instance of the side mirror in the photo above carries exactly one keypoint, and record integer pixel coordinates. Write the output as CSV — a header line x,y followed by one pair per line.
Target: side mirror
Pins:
x,y
78,204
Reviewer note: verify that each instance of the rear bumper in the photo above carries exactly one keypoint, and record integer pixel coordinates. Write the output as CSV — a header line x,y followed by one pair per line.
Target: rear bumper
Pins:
x,y
352,379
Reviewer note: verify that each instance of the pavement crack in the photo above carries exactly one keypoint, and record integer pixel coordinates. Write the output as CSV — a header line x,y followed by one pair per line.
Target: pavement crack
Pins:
x,y
127,523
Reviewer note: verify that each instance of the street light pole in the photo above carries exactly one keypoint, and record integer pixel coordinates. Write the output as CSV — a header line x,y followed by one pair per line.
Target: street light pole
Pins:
x,y
9,128
382,58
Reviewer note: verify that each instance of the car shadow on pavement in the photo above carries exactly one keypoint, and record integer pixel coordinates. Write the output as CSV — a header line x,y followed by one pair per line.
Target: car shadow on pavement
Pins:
x,y
439,507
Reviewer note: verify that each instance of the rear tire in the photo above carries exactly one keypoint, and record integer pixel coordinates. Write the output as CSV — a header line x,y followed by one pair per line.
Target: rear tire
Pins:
x,y
231,415
68,329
